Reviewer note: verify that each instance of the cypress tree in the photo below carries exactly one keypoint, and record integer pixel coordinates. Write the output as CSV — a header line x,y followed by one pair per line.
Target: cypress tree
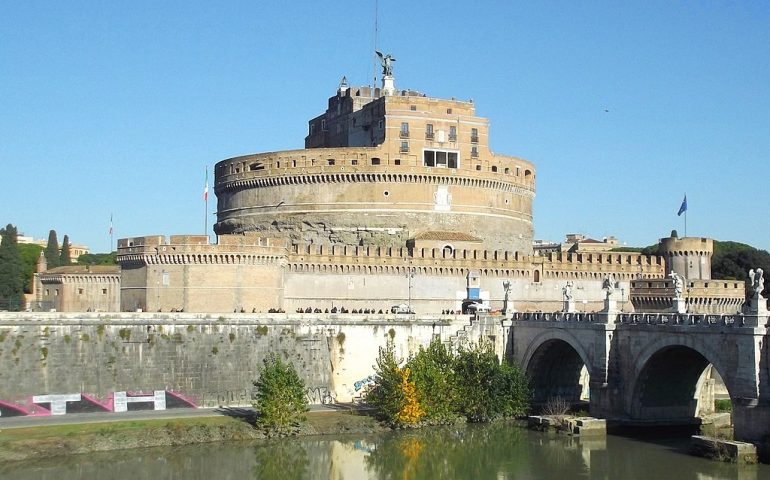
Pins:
x,y
11,279
52,250
65,258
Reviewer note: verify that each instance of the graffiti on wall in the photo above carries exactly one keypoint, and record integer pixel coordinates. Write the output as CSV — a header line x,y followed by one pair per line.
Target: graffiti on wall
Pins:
x,y
319,396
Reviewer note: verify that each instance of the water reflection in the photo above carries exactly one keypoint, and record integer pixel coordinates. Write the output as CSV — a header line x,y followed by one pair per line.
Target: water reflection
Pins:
x,y
475,452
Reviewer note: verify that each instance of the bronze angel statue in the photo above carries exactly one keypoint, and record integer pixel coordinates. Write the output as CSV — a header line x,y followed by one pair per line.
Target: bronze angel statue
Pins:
x,y
387,63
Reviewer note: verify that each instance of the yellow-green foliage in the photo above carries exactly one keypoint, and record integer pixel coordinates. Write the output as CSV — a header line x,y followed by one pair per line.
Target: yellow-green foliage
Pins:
x,y
411,412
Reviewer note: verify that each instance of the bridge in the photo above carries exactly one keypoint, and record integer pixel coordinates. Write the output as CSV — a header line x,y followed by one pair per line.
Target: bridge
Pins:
x,y
646,367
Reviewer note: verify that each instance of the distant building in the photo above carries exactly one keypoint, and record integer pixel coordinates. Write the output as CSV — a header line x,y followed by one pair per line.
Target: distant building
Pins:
x,y
576,242
75,288
76,250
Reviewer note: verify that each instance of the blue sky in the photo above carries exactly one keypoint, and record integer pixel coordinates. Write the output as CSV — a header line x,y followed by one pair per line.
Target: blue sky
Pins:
x,y
117,107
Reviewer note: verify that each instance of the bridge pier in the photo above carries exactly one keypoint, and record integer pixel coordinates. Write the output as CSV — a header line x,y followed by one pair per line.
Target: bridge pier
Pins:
x,y
751,420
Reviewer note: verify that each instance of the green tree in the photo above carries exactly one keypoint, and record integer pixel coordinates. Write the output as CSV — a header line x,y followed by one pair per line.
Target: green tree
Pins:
x,y
65,258
11,271
471,384
30,253
280,399
733,260
433,373
98,259
488,389
386,395
52,250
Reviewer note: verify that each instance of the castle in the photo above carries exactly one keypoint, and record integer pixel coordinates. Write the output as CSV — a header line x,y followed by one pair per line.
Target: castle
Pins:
x,y
396,199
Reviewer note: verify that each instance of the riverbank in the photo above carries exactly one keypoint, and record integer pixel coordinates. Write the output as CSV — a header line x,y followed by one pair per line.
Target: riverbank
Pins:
x,y
49,441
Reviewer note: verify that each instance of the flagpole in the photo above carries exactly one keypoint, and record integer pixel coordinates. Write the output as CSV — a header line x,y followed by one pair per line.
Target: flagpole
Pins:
x,y
685,223
111,239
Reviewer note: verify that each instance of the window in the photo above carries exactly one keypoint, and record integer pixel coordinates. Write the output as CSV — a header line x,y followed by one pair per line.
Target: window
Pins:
x,y
380,124
413,107
354,162
80,291
323,125
47,291
475,135
494,168
277,164
404,146
104,291
330,161
256,166
405,130
449,111
440,158
507,171
429,131
375,161
478,167
294,163
474,151
397,161
452,133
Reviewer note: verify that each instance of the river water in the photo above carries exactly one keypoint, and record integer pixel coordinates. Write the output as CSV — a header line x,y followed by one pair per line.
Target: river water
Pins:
x,y
472,452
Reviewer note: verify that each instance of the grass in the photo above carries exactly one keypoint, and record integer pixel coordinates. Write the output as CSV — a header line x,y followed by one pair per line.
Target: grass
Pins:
x,y
57,440
58,431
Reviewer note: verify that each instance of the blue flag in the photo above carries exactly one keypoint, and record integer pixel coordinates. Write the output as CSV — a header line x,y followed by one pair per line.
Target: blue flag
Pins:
x,y
683,208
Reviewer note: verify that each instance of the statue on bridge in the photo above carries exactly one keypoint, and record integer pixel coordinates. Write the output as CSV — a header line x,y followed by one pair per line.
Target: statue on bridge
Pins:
x,y
678,285
609,285
507,290
567,290
757,281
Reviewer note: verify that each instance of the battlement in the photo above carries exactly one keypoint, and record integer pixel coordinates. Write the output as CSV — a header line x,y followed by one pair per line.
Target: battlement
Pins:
x,y
339,258
180,249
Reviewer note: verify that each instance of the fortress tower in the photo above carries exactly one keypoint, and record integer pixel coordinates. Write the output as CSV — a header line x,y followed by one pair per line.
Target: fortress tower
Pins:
x,y
379,169
690,257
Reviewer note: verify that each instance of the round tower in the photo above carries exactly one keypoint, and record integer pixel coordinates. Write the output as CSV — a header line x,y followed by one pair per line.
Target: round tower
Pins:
x,y
42,263
689,257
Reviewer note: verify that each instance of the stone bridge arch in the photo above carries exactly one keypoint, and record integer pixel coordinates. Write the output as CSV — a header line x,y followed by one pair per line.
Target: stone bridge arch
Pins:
x,y
553,362
665,375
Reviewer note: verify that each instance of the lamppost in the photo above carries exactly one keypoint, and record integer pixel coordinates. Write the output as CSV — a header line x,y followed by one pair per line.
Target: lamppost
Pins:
x,y
409,277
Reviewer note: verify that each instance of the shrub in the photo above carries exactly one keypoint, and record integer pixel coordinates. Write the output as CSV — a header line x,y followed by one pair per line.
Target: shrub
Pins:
x,y
386,394
280,399
488,389
437,387
432,370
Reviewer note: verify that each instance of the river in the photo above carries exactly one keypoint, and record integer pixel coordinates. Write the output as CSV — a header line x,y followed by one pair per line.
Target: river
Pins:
x,y
474,452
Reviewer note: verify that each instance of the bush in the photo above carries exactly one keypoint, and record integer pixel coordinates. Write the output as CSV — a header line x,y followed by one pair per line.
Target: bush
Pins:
x,y
433,373
472,384
280,399
386,395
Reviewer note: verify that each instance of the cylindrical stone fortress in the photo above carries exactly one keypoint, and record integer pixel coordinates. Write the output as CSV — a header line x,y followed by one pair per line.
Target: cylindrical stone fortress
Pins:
x,y
429,169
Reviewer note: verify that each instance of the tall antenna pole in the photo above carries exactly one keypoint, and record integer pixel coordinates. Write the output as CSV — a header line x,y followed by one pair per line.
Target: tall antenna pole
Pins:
x,y
206,202
376,30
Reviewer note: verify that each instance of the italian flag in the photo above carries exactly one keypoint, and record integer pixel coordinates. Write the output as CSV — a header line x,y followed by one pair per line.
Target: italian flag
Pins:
x,y
206,188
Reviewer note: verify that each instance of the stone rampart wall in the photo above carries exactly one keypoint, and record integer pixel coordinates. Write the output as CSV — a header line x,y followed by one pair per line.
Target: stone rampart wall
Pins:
x,y
97,361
